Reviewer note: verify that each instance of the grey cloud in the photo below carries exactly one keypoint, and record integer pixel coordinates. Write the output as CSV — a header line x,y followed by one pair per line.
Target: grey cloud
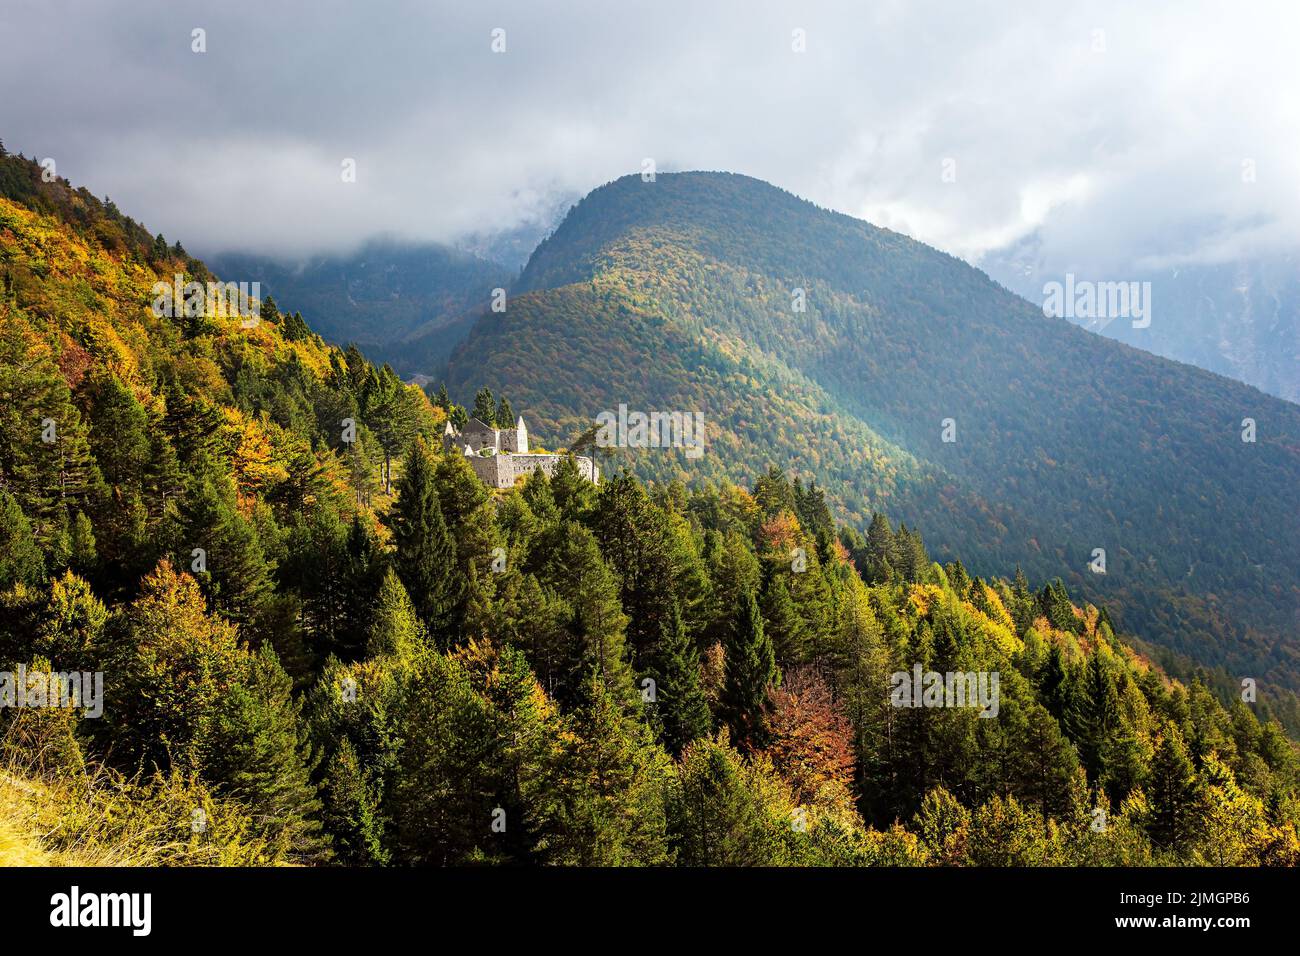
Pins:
x,y
1104,158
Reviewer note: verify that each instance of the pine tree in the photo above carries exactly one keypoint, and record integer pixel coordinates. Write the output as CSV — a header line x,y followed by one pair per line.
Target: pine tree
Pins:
x,y
468,511
505,414
815,517
773,493
680,702
1022,609
70,629
1053,684
188,696
1172,793
1043,763
485,409
750,671
958,578
880,558
364,568
912,563
388,409
1094,717
261,755
861,668
597,622
782,622
634,539
351,814
575,496
45,457
237,580
735,571
425,556
448,782
614,798
20,556
723,813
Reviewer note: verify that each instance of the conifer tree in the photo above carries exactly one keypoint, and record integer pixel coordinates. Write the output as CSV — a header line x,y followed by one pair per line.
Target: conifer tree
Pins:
x,y
364,568
236,577
750,671
351,813
773,493
1053,684
861,668
425,556
188,696
389,411
616,779
505,414
597,622
262,756
782,622
880,557
485,409
575,496
45,458
20,557
1094,716
634,538
1172,792
1022,609
736,570
722,813
468,511
395,630
680,702
71,625
448,785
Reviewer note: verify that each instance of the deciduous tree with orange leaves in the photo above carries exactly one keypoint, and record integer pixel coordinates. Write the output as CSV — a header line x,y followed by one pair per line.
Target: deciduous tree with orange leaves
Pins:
x,y
811,739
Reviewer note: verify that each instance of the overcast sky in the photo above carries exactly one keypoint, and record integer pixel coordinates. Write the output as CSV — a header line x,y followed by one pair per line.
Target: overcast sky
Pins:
x,y
1116,133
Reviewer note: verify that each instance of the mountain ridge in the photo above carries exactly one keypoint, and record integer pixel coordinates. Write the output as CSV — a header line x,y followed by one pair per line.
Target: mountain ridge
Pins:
x,y
1092,443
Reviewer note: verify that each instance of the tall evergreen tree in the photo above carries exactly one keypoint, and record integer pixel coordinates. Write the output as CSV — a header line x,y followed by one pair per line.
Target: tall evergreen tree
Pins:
x,y
485,409
20,557
750,671
1172,793
634,538
1094,716
597,622
234,574
781,621
425,555
880,557
616,779
680,703
505,414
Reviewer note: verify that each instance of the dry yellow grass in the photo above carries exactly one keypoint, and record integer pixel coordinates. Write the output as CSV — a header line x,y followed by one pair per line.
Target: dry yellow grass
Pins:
x,y
101,819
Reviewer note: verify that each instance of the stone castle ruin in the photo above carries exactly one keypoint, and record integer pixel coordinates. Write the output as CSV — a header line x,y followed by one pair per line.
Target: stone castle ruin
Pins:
x,y
500,456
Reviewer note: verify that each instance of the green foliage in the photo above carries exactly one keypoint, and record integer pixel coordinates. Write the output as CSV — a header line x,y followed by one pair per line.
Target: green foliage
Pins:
x,y
750,671
1065,441
425,554
350,669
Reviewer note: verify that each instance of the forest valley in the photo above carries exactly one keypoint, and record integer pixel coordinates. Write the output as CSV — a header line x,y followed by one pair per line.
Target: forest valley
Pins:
x,y
648,678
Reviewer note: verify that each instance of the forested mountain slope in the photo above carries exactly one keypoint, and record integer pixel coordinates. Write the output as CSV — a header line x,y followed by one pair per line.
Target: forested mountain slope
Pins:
x,y
312,652
405,303
680,294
